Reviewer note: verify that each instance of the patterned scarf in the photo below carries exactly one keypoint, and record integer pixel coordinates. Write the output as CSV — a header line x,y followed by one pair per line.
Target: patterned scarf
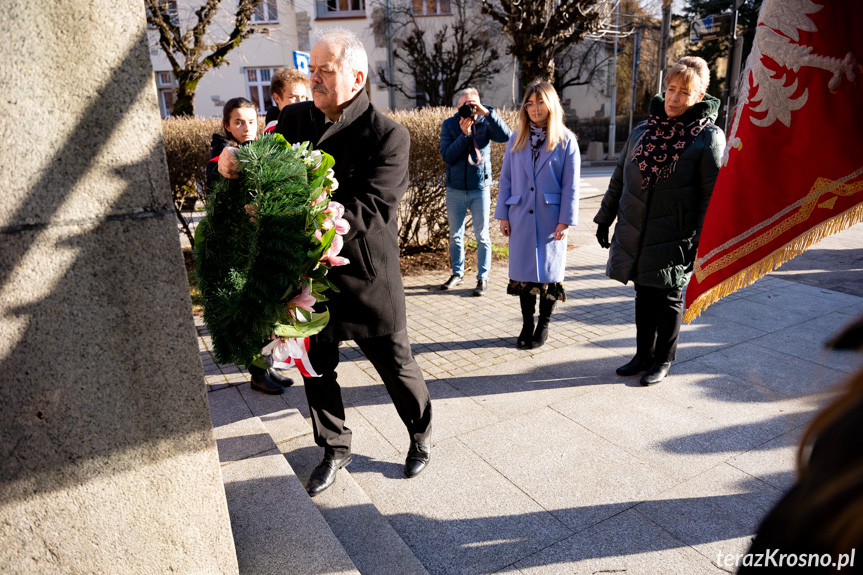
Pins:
x,y
538,135
661,145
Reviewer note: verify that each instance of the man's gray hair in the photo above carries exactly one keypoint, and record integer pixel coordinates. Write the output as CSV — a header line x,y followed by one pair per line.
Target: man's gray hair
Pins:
x,y
466,92
352,54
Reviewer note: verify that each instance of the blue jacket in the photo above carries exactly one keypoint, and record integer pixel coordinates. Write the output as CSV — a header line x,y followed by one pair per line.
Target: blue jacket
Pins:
x,y
454,146
535,199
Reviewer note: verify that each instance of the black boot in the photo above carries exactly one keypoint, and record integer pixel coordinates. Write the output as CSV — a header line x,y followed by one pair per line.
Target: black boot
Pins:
x,y
262,382
546,306
528,306
636,365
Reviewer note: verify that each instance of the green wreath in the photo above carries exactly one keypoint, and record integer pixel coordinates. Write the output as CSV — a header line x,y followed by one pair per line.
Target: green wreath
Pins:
x,y
251,271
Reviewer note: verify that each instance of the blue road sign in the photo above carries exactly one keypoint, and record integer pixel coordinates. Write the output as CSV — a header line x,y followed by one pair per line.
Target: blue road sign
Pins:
x,y
301,62
710,27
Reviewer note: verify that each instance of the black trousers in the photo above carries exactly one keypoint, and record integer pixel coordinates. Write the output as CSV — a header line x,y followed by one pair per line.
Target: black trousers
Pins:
x,y
392,358
658,313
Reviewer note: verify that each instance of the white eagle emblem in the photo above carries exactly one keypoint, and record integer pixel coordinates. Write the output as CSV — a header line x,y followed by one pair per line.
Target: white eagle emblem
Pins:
x,y
777,38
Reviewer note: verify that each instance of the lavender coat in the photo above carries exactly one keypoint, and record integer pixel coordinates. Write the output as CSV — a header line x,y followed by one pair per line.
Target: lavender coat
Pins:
x,y
534,202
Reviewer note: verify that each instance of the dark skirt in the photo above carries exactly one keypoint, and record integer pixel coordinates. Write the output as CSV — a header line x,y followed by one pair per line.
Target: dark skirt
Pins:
x,y
553,291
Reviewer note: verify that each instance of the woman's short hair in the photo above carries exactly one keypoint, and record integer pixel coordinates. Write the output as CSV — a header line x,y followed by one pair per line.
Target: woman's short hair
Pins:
x,y
693,71
284,77
230,106
352,54
556,127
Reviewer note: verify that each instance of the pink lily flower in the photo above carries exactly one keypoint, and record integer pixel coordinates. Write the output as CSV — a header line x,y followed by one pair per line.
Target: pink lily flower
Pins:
x,y
303,300
335,209
331,256
333,218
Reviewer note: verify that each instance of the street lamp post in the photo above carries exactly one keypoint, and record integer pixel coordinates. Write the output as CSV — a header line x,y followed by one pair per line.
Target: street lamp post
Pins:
x,y
612,125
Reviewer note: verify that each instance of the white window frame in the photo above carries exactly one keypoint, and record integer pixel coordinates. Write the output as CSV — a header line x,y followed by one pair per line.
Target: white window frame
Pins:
x,y
260,86
165,85
333,9
432,7
266,13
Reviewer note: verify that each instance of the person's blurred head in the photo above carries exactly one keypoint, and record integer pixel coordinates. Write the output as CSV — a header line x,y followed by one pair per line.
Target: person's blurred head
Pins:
x,y
466,94
240,120
289,86
685,85
338,69
541,107
831,481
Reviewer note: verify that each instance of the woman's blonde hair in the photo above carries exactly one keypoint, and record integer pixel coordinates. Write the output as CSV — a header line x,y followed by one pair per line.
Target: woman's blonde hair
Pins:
x,y
693,71
556,128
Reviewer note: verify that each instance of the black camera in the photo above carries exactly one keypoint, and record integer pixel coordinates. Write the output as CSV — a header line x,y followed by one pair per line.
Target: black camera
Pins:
x,y
467,111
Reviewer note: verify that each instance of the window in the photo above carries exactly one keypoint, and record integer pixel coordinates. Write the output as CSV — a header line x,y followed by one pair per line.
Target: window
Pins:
x,y
267,12
336,8
431,7
258,87
165,88
171,7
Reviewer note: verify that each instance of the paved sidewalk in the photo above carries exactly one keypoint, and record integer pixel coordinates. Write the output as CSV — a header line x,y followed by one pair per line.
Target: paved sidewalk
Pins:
x,y
545,461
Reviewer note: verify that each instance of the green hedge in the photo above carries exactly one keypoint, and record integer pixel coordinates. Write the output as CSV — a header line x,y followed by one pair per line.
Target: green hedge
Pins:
x,y
422,214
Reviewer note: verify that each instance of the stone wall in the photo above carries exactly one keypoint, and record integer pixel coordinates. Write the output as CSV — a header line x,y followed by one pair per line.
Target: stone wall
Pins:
x,y
107,457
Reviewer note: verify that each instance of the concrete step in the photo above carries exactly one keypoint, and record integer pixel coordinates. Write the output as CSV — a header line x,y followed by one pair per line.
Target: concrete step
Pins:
x,y
277,528
368,538
372,543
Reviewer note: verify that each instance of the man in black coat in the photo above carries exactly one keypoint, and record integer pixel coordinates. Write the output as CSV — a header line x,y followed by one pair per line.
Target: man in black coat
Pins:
x,y
371,155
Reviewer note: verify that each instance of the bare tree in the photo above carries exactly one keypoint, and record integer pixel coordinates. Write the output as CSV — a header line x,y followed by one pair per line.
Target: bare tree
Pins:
x,y
542,31
191,53
458,55
580,65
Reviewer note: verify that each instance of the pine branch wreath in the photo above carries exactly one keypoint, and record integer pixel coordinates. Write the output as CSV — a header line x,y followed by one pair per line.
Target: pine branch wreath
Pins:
x,y
257,274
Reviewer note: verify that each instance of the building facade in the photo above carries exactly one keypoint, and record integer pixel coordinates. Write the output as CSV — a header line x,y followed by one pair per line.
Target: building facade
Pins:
x,y
291,26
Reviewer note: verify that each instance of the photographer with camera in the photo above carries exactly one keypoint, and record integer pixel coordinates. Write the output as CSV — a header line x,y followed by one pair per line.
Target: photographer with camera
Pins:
x,y
464,145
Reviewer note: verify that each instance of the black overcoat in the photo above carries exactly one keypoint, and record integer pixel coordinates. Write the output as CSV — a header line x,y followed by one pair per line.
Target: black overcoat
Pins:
x,y
657,233
371,153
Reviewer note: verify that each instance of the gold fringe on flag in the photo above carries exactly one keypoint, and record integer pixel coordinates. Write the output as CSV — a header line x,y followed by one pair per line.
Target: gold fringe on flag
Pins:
x,y
761,268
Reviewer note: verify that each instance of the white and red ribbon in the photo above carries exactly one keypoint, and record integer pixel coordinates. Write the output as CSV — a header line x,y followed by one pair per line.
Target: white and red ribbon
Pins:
x,y
291,352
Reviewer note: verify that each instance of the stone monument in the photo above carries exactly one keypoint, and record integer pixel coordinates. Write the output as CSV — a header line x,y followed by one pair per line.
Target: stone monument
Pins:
x,y
107,457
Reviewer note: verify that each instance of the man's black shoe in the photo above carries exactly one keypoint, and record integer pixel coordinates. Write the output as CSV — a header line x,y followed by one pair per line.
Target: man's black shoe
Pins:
x,y
418,458
656,373
324,474
635,366
481,288
453,281
262,382
276,375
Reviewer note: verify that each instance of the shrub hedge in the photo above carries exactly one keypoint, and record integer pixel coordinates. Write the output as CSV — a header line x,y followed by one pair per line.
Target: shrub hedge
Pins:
x,y
422,215
187,146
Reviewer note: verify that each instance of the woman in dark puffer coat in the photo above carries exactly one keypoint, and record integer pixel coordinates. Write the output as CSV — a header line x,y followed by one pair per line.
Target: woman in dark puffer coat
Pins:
x,y
659,194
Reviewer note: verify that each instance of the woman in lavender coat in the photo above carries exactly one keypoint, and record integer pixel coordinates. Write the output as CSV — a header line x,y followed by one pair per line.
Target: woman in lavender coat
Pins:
x,y
536,203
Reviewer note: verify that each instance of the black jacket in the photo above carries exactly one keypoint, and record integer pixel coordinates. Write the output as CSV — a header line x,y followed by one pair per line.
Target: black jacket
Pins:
x,y
657,233
371,153
218,143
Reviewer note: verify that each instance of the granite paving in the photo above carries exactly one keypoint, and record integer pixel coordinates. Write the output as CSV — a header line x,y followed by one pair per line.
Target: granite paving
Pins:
x,y
546,461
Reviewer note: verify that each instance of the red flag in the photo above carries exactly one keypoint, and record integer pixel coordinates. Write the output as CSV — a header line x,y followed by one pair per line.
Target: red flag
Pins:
x,y
793,168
